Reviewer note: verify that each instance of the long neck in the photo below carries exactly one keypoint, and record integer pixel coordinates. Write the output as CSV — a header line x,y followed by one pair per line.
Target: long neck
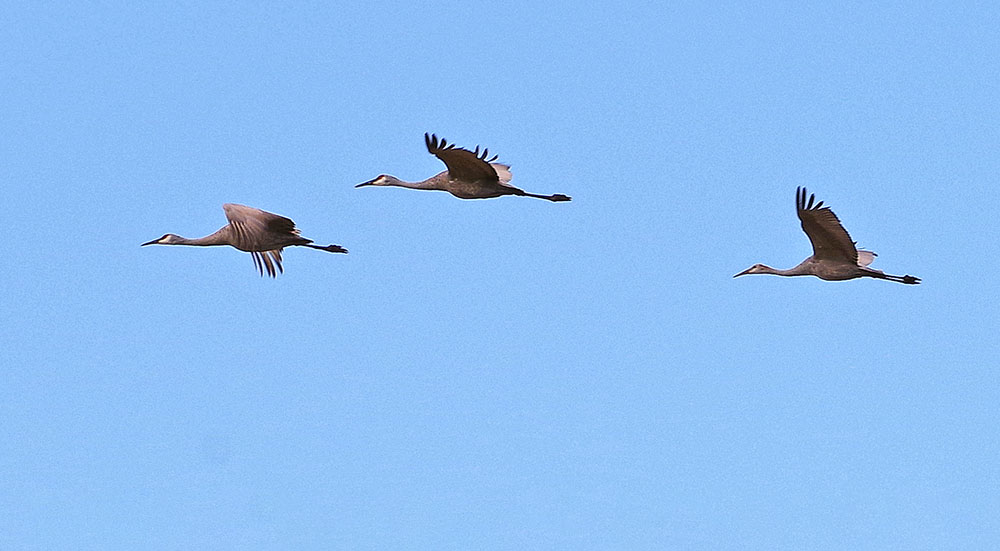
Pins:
x,y
796,271
220,237
430,183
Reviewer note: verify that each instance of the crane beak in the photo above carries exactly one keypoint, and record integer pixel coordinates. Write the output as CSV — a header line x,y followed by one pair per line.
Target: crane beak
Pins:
x,y
153,242
744,272
368,183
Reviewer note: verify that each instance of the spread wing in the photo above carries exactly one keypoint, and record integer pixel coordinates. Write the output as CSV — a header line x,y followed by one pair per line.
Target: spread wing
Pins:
x,y
263,234
258,226
829,239
462,164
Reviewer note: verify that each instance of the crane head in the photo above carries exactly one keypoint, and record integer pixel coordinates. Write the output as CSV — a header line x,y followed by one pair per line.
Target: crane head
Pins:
x,y
755,269
167,239
381,180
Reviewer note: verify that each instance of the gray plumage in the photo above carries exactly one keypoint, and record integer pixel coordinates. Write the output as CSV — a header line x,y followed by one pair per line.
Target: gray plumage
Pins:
x,y
470,174
835,257
260,233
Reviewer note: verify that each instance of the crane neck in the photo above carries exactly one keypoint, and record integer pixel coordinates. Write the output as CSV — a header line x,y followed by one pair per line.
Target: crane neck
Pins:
x,y
796,271
220,237
430,183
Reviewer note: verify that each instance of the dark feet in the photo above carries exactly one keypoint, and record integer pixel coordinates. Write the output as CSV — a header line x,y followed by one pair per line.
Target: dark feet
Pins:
x,y
333,249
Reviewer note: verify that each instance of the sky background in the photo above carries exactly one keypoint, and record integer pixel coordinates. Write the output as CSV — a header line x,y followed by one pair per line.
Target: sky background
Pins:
x,y
507,373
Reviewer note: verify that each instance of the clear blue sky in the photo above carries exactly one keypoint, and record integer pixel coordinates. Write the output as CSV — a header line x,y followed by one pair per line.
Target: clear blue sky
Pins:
x,y
508,373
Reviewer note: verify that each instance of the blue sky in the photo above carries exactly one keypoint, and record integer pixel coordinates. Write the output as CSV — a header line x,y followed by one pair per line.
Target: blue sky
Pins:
x,y
507,373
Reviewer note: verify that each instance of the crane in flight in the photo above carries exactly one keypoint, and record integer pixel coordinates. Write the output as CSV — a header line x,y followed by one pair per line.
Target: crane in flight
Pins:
x,y
260,233
835,257
470,174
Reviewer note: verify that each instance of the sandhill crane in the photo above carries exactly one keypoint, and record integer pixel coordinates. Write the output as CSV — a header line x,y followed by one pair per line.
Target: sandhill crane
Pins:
x,y
260,233
835,256
470,175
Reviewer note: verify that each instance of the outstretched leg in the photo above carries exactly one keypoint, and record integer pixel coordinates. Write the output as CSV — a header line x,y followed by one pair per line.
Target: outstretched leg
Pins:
x,y
554,198
907,279
328,248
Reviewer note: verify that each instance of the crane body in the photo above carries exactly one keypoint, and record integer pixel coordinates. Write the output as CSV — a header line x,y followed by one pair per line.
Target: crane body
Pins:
x,y
470,175
835,256
260,233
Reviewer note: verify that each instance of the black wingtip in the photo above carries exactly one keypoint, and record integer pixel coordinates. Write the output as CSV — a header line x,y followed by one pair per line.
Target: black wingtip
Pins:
x,y
433,145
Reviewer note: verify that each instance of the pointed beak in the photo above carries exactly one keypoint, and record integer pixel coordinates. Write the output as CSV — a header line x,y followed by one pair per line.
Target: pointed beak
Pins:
x,y
368,183
153,242
744,272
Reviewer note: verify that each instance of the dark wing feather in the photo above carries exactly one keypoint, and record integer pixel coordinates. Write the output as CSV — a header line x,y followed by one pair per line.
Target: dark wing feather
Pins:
x,y
255,222
829,239
462,164
263,234
258,230
263,262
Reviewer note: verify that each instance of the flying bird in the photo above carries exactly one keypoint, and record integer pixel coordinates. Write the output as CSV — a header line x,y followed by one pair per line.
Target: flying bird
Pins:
x,y
470,174
260,233
835,257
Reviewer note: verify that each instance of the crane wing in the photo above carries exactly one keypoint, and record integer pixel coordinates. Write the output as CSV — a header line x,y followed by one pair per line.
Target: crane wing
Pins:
x,y
256,226
462,164
263,262
263,234
829,239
